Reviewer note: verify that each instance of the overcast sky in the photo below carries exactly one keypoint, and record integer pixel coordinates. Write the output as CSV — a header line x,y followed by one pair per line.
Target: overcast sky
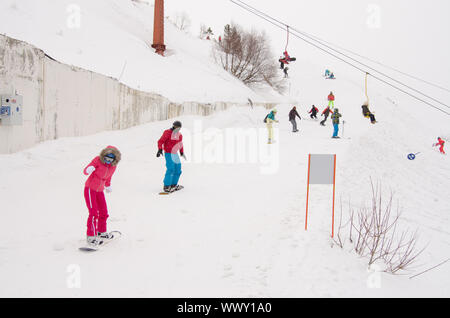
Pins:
x,y
409,34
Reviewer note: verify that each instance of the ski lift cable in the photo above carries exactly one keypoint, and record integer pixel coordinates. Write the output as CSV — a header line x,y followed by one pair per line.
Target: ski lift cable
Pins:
x,y
376,62
338,57
349,57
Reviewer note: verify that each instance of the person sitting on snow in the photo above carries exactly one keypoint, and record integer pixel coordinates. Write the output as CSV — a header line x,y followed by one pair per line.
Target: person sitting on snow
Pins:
x,y
327,73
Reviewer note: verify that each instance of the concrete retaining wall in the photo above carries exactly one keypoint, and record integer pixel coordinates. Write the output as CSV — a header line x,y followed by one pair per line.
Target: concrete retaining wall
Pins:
x,y
66,101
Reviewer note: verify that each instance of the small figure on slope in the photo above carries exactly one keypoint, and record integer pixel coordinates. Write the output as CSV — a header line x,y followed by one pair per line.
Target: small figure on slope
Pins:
x,y
327,73
335,117
331,99
440,144
368,114
326,113
269,120
100,172
171,142
314,110
292,116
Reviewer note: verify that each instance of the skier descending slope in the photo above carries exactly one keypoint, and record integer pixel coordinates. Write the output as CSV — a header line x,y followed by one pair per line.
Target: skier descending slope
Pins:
x,y
172,142
440,144
335,117
326,113
100,171
292,116
331,99
314,110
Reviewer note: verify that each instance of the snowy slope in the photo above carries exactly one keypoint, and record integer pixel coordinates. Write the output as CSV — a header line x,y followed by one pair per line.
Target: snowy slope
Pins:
x,y
114,37
235,230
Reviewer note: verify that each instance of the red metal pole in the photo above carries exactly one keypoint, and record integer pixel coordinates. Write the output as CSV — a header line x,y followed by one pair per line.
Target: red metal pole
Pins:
x,y
307,194
158,28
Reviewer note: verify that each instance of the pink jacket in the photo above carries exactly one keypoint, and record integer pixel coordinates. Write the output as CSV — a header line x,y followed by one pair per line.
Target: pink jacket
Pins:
x,y
101,177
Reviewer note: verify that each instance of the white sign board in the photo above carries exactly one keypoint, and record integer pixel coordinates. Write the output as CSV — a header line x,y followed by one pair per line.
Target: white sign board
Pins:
x,y
321,169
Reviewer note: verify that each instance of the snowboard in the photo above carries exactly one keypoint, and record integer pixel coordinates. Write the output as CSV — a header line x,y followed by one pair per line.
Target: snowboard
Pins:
x,y
89,248
167,193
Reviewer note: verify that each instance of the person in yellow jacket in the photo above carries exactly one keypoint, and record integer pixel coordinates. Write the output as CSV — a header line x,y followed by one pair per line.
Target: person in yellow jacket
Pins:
x,y
270,119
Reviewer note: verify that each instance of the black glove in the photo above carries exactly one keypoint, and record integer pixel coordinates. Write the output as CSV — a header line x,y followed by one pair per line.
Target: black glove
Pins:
x,y
160,152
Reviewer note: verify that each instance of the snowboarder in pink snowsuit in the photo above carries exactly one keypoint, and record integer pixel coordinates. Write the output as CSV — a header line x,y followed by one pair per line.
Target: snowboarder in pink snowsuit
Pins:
x,y
440,143
100,171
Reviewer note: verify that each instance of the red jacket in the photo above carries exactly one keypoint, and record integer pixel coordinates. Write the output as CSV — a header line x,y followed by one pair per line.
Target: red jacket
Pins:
x,y
441,143
171,142
327,109
330,97
103,172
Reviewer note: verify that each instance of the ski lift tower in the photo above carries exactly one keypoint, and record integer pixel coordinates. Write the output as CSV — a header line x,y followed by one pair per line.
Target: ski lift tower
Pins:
x,y
158,28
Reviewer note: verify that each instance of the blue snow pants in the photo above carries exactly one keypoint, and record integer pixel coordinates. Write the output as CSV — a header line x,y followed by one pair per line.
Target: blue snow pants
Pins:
x,y
173,172
336,130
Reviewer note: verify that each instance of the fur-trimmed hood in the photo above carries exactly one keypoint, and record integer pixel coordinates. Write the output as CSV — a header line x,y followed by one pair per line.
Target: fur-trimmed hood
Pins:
x,y
113,150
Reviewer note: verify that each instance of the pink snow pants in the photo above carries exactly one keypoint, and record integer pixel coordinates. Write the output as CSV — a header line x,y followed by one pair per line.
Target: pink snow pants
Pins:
x,y
98,211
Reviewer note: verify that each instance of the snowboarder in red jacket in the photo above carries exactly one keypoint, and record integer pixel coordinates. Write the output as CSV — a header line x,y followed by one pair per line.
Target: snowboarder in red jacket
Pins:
x,y
314,110
171,142
326,113
440,143
100,172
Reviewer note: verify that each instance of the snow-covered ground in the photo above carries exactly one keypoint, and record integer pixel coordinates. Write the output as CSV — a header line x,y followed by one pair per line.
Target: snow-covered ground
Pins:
x,y
237,229
114,37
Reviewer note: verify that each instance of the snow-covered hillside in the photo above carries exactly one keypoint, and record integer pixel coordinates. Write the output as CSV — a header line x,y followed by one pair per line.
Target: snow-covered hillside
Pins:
x,y
237,229
114,37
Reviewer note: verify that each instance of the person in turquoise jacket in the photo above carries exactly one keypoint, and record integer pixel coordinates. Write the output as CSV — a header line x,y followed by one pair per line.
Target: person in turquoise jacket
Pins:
x,y
269,121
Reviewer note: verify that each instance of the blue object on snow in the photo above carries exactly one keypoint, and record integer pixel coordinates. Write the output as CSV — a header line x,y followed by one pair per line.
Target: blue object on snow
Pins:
x,y
412,156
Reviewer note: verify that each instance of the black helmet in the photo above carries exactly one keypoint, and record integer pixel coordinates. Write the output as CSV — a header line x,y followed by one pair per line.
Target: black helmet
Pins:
x,y
177,124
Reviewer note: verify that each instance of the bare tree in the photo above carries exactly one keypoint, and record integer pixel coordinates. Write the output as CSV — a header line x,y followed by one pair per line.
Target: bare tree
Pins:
x,y
247,55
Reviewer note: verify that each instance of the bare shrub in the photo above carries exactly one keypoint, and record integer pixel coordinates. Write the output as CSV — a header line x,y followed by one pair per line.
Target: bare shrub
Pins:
x,y
182,21
247,55
373,233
